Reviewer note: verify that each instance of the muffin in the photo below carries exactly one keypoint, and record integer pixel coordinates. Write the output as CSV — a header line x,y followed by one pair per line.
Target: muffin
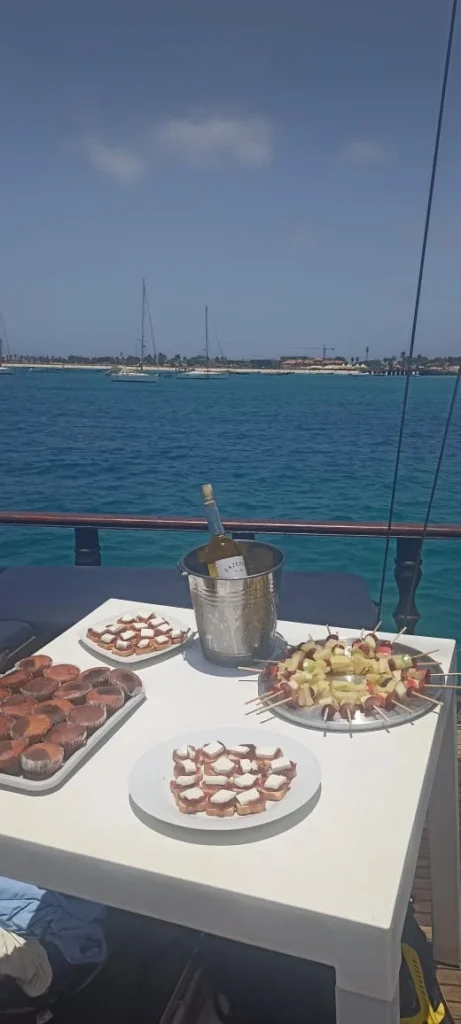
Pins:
x,y
40,688
111,697
129,682
31,728
62,673
15,679
5,727
10,753
68,736
75,692
17,706
55,710
36,664
89,716
41,760
96,676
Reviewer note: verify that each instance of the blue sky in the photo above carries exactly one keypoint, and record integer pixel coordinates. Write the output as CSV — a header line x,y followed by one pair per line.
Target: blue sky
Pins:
x,y
271,159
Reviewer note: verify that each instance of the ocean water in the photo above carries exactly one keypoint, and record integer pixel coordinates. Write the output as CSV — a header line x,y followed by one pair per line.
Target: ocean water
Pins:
x,y
290,447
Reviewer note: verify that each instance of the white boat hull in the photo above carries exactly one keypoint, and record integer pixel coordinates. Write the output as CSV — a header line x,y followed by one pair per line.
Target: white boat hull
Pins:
x,y
203,376
135,378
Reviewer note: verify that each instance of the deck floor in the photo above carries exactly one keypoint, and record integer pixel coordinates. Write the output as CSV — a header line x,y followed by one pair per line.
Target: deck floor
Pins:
x,y
449,977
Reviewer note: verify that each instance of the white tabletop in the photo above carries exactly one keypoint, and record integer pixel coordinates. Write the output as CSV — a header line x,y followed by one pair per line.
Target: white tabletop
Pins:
x,y
332,888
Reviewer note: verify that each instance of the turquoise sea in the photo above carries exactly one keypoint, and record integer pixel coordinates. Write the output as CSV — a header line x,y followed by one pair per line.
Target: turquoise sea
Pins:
x,y
291,447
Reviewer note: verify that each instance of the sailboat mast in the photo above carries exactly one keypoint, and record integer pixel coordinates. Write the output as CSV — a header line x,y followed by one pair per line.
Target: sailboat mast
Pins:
x,y
1,350
207,355
143,316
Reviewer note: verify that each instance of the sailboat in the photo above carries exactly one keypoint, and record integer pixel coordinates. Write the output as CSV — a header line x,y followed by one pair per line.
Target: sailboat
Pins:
x,y
3,369
133,373
209,372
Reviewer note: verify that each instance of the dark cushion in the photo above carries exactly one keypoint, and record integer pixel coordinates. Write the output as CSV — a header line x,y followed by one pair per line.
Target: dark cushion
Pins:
x,y
51,598
14,636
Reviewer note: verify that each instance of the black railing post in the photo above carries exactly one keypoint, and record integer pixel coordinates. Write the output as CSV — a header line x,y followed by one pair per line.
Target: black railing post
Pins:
x,y
408,560
243,535
87,550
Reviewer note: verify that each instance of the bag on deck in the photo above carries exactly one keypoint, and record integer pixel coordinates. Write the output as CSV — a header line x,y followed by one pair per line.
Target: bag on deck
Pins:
x,y
253,986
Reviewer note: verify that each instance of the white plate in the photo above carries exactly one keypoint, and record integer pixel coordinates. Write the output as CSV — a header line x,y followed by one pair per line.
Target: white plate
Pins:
x,y
134,659
149,782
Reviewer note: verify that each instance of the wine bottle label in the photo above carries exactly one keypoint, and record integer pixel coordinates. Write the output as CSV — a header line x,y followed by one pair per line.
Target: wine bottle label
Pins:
x,y
231,568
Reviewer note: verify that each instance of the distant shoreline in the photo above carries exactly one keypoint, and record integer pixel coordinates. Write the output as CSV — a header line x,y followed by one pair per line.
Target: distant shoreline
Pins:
x,y
317,371
169,369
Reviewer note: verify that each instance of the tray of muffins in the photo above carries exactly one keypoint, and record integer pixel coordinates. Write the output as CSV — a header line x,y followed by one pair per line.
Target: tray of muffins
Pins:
x,y
53,716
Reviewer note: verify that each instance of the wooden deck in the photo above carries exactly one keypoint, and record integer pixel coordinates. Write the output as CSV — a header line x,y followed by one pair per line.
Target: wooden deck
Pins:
x,y
449,977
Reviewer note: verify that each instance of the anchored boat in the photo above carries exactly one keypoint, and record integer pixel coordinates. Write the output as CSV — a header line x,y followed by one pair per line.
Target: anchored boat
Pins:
x,y
136,374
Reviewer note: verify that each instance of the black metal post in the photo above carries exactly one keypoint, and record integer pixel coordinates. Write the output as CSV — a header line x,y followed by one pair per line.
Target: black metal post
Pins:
x,y
87,550
407,569
243,535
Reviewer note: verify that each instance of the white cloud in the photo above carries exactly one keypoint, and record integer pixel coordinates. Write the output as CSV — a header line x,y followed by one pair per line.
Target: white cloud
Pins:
x,y
366,152
246,141
124,165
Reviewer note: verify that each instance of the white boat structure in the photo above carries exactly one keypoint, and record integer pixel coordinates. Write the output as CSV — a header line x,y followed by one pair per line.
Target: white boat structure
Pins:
x,y
135,374
208,372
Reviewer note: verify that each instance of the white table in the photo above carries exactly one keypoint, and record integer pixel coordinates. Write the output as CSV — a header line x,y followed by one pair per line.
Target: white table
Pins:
x,y
333,888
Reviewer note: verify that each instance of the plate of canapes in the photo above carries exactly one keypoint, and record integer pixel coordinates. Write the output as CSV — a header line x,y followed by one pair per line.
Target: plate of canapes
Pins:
x,y
349,684
238,780
136,636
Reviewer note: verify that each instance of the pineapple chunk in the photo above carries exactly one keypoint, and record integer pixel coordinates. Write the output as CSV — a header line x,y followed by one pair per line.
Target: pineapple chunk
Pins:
x,y
400,689
294,661
305,699
341,663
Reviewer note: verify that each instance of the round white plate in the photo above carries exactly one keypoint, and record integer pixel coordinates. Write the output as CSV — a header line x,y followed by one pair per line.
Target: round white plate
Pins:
x,y
149,782
134,659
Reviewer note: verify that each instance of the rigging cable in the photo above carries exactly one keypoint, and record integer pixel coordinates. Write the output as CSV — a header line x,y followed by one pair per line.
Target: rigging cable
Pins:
x,y
433,489
422,261
216,336
151,328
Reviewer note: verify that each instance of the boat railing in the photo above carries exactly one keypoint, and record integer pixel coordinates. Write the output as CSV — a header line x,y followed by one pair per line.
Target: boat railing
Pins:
x,y
408,537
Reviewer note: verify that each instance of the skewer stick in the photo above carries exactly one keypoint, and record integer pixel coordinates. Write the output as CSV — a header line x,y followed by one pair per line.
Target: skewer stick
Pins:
x,y
259,661
401,706
441,675
380,712
376,628
262,696
402,631
349,719
430,699
440,686
425,654
268,707
259,707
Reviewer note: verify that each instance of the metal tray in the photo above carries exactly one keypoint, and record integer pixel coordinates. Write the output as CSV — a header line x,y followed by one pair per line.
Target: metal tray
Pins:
x,y
311,718
75,760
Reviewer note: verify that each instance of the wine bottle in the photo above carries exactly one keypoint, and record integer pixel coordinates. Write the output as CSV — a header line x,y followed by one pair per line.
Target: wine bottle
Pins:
x,y
221,555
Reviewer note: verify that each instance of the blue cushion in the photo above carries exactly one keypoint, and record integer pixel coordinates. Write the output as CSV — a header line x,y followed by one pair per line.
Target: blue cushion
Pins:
x,y
13,636
51,598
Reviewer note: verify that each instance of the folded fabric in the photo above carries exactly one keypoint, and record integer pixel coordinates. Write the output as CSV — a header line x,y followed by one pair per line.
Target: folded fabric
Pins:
x,y
26,961
72,924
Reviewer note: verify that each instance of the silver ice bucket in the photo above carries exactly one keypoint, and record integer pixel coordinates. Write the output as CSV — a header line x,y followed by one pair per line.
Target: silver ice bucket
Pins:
x,y
237,619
